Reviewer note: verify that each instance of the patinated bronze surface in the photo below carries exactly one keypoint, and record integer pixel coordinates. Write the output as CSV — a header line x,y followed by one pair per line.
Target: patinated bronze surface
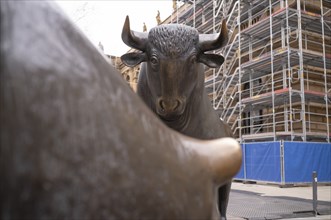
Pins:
x,y
171,80
76,142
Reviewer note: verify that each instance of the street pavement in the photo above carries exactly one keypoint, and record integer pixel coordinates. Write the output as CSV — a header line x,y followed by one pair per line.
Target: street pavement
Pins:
x,y
266,201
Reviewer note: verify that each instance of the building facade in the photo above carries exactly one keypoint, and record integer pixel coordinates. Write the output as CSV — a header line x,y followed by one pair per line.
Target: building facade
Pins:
x,y
274,88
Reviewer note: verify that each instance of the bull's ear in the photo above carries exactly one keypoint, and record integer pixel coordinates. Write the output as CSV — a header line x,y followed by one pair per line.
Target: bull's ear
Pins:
x,y
211,60
133,59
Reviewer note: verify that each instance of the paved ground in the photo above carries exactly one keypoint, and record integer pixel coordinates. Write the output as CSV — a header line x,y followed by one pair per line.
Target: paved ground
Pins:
x,y
256,201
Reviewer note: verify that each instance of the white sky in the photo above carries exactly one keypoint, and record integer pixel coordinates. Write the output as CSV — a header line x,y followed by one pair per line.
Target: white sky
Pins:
x,y
102,21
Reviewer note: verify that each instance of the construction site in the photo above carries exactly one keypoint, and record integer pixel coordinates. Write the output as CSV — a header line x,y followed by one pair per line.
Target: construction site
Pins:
x,y
275,84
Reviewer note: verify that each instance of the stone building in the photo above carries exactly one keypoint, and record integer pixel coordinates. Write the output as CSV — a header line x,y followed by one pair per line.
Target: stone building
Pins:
x,y
128,73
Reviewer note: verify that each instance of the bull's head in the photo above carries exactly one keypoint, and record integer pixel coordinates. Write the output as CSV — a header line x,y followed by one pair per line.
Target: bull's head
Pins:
x,y
173,54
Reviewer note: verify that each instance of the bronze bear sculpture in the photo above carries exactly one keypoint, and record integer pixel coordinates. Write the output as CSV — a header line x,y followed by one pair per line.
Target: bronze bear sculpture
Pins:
x,y
77,143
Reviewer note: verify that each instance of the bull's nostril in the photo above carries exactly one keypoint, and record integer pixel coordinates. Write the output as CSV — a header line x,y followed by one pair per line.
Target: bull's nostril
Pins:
x,y
177,103
168,105
162,105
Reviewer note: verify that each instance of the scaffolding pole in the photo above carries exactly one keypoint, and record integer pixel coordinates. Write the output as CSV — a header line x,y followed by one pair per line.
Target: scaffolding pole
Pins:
x,y
325,76
272,73
301,73
240,73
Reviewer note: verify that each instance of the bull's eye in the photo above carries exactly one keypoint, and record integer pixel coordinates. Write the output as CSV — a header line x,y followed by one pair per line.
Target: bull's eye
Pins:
x,y
154,60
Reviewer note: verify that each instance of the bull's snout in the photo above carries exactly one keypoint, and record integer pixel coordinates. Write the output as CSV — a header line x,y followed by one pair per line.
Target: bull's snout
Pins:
x,y
169,107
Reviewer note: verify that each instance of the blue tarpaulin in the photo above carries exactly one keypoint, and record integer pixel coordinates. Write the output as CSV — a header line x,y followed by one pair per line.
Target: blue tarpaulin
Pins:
x,y
263,162
241,174
301,159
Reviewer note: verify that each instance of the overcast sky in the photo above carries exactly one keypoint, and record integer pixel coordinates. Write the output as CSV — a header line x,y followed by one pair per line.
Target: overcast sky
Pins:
x,y
102,21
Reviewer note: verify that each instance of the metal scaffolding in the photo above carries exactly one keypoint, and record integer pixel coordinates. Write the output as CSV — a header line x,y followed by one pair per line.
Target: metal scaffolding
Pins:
x,y
275,83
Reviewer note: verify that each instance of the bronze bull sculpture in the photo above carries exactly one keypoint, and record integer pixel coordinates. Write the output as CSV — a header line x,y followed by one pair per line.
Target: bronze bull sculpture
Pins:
x,y
171,80
76,142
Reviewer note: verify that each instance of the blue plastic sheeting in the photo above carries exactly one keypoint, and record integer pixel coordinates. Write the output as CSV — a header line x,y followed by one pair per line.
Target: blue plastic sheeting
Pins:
x,y
302,158
261,161
241,173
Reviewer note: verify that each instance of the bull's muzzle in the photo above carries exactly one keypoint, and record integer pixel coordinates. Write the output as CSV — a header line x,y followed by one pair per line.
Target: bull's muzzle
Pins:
x,y
169,107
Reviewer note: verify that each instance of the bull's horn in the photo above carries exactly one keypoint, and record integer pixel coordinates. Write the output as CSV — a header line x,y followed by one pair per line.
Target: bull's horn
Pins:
x,y
133,39
220,157
209,42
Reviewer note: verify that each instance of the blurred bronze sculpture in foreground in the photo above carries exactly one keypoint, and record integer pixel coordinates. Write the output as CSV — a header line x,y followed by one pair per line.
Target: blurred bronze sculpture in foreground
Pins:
x,y
171,80
76,142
